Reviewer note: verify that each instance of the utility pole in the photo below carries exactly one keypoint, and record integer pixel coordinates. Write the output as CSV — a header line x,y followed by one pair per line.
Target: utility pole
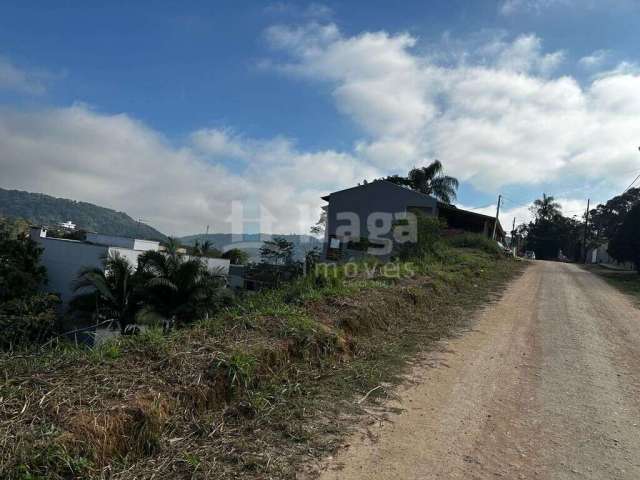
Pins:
x,y
495,225
586,223
514,247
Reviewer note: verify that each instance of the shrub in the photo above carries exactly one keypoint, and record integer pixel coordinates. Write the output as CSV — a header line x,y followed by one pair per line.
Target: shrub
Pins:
x,y
625,245
477,241
29,320
428,239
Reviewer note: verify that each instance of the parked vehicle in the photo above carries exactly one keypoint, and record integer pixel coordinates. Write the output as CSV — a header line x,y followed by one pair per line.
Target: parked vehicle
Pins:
x,y
531,255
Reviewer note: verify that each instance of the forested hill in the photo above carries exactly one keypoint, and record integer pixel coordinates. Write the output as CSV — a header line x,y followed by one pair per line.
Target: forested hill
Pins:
x,y
43,209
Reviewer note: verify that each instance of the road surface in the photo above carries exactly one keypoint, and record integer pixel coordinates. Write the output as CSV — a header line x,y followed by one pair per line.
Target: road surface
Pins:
x,y
545,386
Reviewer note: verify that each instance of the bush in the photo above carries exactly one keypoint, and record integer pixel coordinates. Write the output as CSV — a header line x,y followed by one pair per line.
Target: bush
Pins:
x,y
625,245
477,241
428,239
25,321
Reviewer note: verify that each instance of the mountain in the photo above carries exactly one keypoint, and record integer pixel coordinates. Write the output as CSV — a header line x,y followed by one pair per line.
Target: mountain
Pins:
x,y
251,243
42,209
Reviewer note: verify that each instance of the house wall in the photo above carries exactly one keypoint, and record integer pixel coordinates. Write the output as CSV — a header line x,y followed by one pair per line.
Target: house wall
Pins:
x,y
110,240
378,196
221,264
146,245
63,259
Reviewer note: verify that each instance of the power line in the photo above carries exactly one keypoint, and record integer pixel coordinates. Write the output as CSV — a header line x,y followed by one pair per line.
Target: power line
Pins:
x,y
629,187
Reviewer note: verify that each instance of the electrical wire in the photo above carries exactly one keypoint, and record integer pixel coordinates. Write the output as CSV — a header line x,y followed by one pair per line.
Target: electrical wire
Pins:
x,y
629,187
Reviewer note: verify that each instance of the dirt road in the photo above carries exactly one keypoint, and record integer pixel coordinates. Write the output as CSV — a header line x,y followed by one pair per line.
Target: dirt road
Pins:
x,y
545,386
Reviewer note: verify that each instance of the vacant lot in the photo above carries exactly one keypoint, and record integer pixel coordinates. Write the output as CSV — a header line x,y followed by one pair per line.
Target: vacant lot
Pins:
x,y
255,392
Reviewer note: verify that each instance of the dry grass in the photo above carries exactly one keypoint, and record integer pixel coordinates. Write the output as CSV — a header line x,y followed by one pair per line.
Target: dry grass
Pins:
x,y
254,393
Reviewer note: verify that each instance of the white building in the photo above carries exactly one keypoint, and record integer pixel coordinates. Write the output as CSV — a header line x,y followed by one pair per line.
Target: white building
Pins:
x,y
68,225
64,258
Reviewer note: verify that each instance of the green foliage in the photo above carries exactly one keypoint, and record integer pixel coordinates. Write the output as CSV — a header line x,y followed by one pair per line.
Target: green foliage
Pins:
x,y
477,241
546,208
428,238
236,256
51,460
606,219
20,271
27,320
551,232
429,180
46,210
110,291
239,369
625,245
205,249
278,251
179,288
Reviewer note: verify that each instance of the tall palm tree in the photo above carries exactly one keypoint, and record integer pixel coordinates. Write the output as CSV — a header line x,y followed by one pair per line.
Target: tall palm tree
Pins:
x,y
546,208
430,180
177,287
110,290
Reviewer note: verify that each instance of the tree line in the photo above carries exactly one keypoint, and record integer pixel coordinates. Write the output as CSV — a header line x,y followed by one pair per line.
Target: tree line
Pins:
x,y
615,223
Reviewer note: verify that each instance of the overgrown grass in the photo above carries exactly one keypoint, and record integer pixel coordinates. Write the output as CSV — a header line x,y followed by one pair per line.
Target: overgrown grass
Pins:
x,y
626,281
477,241
251,393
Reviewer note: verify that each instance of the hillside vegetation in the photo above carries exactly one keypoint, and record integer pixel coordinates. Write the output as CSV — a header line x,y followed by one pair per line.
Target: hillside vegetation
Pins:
x,y
257,391
43,209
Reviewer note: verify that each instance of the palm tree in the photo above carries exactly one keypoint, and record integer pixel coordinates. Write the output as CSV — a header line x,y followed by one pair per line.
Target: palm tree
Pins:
x,y
429,180
546,208
112,290
179,288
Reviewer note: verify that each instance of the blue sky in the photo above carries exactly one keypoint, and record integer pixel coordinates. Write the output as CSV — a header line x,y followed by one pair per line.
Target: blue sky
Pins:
x,y
176,112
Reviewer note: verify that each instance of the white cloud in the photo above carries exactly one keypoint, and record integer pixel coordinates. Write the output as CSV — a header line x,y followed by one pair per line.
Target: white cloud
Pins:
x,y
511,7
19,80
497,116
522,213
595,59
118,162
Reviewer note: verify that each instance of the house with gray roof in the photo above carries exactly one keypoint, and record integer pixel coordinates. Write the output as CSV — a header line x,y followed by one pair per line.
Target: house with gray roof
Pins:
x,y
364,216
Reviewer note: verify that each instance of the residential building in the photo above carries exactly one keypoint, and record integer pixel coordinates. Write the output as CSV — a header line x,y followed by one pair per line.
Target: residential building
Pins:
x,y
365,215
64,258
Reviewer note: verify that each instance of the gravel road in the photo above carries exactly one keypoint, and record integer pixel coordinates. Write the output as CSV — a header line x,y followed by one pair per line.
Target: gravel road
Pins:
x,y
546,385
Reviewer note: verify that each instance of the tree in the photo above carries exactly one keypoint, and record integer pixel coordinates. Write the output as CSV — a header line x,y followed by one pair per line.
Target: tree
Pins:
x,y
546,208
607,218
112,290
551,233
21,274
321,224
177,288
236,256
429,180
625,245
206,249
278,251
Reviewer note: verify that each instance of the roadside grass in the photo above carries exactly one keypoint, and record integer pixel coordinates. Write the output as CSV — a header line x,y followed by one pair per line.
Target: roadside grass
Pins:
x,y
626,281
264,387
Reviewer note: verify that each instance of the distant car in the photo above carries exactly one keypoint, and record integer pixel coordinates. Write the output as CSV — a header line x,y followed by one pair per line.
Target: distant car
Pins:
x,y
531,255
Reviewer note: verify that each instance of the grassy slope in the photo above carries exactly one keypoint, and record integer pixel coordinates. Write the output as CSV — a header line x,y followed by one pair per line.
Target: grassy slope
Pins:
x,y
625,281
253,392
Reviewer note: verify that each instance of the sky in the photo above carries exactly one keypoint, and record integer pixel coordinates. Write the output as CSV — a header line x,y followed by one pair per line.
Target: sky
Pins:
x,y
241,115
